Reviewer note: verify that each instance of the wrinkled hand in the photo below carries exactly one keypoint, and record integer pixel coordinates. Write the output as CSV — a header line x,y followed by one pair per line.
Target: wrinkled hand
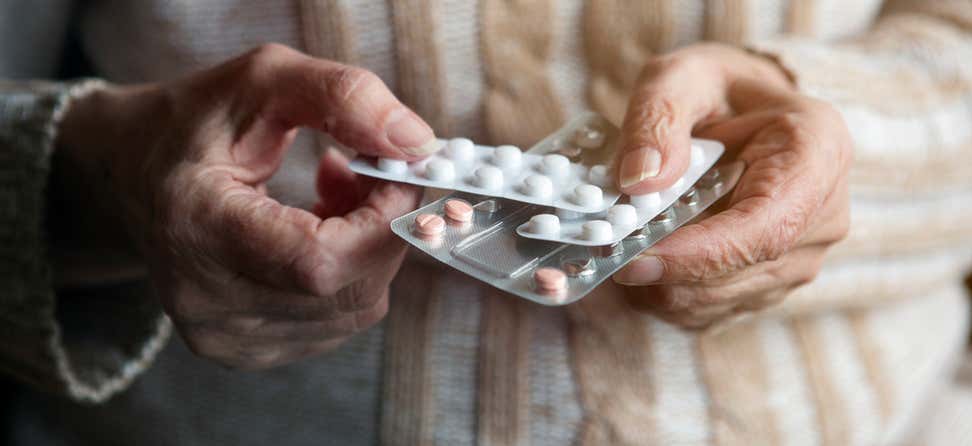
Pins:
x,y
248,281
790,205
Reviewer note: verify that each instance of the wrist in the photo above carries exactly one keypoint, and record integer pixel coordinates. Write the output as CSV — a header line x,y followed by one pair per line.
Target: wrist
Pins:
x,y
86,222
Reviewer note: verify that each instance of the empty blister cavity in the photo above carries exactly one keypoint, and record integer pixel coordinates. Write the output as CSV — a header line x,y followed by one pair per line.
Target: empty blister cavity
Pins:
x,y
588,195
537,186
439,169
488,177
597,231
544,224
507,157
555,165
392,165
460,150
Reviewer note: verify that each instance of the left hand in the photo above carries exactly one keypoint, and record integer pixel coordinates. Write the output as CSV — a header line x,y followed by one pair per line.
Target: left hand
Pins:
x,y
789,206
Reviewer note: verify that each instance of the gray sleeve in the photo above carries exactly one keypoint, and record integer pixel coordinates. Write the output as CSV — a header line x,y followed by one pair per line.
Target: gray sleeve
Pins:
x,y
85,347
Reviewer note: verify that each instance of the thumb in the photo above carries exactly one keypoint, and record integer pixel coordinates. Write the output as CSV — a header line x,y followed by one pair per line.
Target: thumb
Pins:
x,y
656,134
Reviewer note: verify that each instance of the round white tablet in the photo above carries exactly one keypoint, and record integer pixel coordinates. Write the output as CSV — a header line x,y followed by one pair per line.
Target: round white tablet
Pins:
x,y
623,215
599,175
537,186
489,177
544,224
460,150
588,195
439,169
555,165
649,200
391,165
597,231
507,157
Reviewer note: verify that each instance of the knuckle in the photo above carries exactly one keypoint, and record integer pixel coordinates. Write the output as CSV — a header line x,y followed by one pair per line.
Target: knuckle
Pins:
x,y
346,83
269,53
314,273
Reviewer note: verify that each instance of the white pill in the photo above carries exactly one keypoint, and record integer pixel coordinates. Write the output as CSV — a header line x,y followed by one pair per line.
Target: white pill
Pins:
x,y
588,195
392,166
697,156
438,169
537,186
650,200
599,175
555,165
544,224
623,215
489,177
507,157
597,231
460,150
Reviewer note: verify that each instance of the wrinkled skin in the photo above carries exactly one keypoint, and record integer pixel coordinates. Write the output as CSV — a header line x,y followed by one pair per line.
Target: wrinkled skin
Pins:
x,y
179,170
790,205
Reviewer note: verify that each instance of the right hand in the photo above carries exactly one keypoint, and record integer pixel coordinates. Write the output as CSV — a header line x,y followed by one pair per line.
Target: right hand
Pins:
x,y
181,168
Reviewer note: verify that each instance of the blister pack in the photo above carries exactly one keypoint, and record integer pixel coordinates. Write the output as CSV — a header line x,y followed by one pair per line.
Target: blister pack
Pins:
x,y
568,170
477,235
610,226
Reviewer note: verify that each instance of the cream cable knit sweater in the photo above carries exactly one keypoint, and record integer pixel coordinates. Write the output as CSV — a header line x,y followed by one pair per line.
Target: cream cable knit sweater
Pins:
x,y
851,358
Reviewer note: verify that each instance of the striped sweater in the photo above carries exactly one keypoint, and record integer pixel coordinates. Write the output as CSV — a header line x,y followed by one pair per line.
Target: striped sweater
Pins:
x,y
854,357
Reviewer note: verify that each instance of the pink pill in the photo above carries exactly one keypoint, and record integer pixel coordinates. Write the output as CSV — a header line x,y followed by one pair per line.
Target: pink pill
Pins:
x,y
429,225
550,280
458,210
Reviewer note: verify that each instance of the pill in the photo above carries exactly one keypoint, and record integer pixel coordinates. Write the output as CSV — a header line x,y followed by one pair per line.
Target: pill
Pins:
x,y
537,186
391,165
697,156
489,177
549,280
555,165
597,231
458,210
623,215
438,169
507,157
589,138
588,195
429,225
544,224
460,150
643,201
599,175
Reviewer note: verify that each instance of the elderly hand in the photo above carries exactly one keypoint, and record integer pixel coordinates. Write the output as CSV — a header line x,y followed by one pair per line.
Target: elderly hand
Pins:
x,y
790,205
248,281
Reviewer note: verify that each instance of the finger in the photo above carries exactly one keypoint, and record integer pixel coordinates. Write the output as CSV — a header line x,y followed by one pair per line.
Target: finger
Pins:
x,y
749,289
351,104
339,189
672,95
291,249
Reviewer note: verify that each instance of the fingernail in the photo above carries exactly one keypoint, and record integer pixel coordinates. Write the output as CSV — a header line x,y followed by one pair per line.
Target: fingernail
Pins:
x,y
412,135
638,165
645,270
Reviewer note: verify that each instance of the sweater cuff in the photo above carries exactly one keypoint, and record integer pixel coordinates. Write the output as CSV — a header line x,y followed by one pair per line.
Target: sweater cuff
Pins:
x,y
87,346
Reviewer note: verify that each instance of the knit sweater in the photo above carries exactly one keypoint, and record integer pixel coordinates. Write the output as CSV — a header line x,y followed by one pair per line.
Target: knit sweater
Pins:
x,y
851,358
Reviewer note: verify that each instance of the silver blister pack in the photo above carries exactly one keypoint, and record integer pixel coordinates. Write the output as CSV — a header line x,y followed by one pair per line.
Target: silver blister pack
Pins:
x,y
488,248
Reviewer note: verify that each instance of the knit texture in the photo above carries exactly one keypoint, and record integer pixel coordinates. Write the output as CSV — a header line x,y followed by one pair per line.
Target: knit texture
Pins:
x,y
77,358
